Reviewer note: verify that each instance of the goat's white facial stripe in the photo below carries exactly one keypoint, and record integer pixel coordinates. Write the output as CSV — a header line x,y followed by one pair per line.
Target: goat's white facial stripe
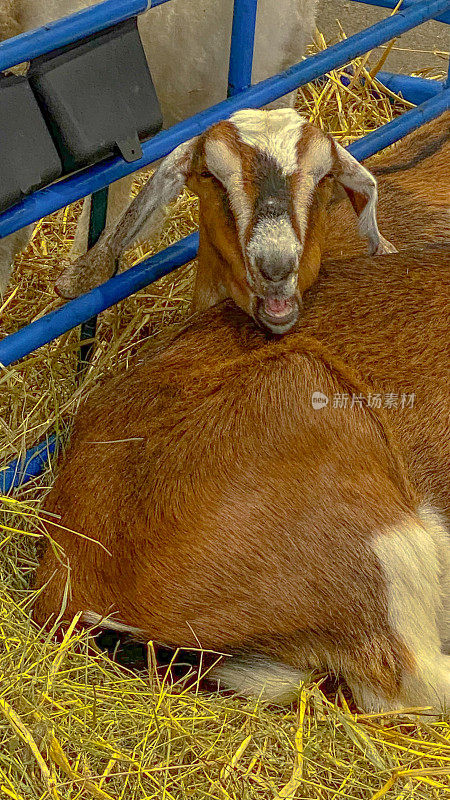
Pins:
x,y
276,133
221,160
315,162
270,237
227,167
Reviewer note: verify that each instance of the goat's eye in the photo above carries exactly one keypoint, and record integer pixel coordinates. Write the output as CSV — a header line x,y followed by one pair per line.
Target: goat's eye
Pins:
x,y
205,174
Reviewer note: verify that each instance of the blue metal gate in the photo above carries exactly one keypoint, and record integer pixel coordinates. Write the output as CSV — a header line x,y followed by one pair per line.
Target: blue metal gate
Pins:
x,y
433,96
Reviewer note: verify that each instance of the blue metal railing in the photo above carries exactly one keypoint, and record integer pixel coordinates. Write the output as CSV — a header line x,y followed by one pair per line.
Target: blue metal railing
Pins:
x,y
242,44
65,31
45,201
22,470
414,89
392,4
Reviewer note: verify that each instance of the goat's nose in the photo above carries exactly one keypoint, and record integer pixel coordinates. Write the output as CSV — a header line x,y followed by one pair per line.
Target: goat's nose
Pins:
x,y
272,206
276,269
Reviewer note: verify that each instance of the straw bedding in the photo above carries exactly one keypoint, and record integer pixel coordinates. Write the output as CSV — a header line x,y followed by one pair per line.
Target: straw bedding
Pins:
x,y
73,723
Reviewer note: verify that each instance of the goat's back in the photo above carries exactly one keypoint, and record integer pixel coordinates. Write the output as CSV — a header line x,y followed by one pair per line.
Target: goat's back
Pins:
x,y
389,319
196,466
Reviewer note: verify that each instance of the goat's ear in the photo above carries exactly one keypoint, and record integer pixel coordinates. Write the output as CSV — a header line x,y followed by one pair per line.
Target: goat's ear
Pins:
x,y
361,188
135,224
161,188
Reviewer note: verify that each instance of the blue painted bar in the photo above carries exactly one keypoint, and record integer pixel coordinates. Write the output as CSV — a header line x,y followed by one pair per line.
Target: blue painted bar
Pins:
x,y
393,131
415,90
21,470
65,31
242,44
47,200
445,17
73,313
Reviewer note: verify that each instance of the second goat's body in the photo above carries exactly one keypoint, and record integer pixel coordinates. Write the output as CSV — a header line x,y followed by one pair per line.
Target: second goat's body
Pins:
x,y
221,508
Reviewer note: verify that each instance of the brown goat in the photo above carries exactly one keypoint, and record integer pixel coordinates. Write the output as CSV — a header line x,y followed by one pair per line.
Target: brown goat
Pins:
x,y
219,507
261,180
273,208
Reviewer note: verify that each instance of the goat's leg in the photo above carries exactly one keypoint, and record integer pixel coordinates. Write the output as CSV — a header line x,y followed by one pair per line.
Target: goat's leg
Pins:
x,y
428,685
259,676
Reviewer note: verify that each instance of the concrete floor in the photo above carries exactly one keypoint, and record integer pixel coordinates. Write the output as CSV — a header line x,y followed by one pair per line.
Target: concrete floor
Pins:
x,y
432,38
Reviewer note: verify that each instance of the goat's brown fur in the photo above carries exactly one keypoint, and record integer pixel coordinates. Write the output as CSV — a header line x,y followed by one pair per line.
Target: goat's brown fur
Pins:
x,y
396,334
220,509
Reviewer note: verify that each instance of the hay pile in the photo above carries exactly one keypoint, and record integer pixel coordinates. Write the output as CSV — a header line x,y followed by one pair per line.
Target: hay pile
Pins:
x,y
74,724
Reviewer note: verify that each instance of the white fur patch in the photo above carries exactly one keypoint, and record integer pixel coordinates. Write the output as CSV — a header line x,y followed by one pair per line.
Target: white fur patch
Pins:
x,y
433,521
314,162
270,237
275,132
227,167
256,676
411,560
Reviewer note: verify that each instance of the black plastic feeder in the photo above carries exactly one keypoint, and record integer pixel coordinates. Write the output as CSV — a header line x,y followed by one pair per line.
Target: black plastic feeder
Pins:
x,y
97,96
28,157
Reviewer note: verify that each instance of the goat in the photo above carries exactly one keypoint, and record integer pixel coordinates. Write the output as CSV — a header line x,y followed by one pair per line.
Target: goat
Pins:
x,y
273,208
218,506
262,181
201,30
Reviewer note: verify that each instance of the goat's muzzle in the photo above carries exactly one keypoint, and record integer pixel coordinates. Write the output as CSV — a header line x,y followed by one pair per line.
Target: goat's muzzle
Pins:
x,y
272,274
277,312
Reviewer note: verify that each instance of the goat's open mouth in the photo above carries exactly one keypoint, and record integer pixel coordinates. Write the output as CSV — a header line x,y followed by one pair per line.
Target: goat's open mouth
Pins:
x,y
278,313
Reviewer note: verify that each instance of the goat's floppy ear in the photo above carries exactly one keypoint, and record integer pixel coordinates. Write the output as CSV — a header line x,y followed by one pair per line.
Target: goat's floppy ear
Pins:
x,y
137,221
361,187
